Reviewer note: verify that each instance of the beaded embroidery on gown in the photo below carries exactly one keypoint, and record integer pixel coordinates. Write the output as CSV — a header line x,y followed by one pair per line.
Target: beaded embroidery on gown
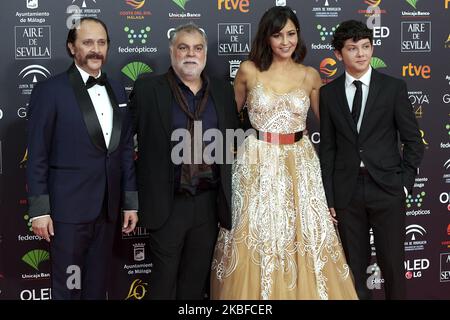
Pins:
x,y
283,244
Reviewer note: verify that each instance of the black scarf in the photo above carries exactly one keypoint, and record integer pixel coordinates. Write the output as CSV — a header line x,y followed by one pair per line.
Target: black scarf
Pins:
x,y
193,175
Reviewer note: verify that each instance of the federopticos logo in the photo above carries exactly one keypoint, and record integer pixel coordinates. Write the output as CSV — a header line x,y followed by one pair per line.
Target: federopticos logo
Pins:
x,y
138,40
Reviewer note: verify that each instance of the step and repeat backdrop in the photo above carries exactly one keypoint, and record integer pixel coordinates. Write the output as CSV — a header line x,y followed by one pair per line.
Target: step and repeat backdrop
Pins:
x,y
412,42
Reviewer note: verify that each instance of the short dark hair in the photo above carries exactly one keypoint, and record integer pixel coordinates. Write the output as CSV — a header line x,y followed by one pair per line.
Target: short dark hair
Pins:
x,y
72,35
272,22
350,29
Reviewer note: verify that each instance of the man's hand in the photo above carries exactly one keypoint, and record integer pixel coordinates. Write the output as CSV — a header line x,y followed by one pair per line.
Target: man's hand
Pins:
x,y
130,220
333,215
43,227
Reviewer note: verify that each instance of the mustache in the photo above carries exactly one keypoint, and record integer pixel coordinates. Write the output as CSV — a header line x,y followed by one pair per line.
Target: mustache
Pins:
x,y
95,56
190,61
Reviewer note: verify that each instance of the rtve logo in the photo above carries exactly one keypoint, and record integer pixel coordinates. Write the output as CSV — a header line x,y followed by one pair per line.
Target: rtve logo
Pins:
x,y
241,5
410,70
447,4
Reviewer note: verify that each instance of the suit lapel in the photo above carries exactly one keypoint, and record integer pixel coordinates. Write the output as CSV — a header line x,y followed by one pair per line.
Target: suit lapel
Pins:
x,y
117,120
342,101
164,103
374,89
87,108
218,99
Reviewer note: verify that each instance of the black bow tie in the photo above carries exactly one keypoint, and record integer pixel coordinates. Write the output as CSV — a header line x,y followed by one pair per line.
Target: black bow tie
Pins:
x,y
101,81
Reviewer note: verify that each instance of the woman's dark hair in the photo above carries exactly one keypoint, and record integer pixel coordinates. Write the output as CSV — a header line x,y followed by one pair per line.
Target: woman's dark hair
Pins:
x,y
272,22
350,29
72,35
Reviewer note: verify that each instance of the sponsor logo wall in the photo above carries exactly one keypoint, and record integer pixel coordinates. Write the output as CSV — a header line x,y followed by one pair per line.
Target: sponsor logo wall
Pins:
x,y
411,39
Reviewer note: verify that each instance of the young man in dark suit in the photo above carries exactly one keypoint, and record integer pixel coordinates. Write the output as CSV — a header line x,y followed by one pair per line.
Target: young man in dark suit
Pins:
x,y
363,113
81,165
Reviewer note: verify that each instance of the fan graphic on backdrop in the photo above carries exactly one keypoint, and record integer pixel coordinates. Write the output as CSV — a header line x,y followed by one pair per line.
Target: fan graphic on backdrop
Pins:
x,y
34,70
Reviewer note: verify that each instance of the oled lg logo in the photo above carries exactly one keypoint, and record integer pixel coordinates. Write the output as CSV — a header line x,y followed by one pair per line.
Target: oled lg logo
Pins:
x,y
235,5
444,198
380,33
414,268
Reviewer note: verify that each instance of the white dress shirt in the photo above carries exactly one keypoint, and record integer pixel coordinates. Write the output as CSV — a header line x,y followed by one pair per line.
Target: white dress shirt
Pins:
x,y
350,90
102,105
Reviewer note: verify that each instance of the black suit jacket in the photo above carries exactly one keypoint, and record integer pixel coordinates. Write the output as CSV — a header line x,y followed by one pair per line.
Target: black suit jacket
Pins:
x,y
151,104
388,115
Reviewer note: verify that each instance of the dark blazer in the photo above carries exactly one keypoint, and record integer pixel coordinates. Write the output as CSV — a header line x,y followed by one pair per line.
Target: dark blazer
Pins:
x,y
151,104
388,115
69,168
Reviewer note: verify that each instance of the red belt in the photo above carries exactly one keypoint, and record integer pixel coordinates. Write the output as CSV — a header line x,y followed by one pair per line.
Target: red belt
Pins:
x,y
280,138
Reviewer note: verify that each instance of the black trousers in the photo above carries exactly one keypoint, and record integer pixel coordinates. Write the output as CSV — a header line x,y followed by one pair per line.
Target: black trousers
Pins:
x,y
181,250
372,207
80,258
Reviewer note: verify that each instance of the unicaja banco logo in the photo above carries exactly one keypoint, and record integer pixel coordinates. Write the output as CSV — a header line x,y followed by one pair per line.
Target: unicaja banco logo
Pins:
x,y
34,258
412,3
377,63
181,3
134,69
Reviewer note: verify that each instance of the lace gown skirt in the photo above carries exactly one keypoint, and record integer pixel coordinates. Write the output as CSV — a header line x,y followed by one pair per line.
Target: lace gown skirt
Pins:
x,y
283,244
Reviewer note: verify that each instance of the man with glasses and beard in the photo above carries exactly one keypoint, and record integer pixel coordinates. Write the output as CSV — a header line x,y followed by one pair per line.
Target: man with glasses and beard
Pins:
x,y
80,170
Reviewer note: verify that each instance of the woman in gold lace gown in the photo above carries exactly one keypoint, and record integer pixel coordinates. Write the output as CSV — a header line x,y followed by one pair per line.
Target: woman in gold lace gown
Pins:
x,y
283,244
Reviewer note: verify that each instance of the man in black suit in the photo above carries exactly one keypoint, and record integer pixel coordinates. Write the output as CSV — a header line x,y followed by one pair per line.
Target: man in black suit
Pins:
x,y
366,177
80,171
182,201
